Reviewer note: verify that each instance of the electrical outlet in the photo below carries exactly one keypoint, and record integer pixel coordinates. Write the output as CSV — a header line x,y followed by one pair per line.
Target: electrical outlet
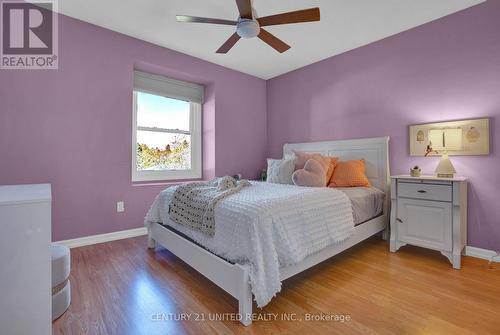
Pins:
x,y
120,207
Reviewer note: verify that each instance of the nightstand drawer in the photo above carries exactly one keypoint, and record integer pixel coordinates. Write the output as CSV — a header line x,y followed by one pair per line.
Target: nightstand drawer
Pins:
x,y
425,191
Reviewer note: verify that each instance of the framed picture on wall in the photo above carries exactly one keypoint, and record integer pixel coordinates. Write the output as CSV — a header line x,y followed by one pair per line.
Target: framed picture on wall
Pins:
x,y
463,137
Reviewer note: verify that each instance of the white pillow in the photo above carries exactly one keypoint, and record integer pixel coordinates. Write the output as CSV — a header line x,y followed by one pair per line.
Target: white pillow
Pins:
x,y
279,171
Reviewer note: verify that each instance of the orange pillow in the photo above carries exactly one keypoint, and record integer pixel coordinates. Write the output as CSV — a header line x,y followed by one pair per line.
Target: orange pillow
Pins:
x,y
349,174
327,163
331,168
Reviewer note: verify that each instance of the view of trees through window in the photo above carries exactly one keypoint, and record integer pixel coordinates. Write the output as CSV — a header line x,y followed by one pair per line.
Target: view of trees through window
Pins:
x,y
163,133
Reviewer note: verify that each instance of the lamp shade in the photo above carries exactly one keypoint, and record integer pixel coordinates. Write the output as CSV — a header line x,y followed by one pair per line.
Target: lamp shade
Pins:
x,y
445,168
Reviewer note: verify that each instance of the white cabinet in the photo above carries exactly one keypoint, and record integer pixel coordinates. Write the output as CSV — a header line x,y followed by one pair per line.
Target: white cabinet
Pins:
x,y
430,212
25,260
425,223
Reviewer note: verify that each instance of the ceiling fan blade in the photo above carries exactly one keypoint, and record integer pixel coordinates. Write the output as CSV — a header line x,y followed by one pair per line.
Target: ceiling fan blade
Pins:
x,y
304,15
245,8
273,41
228,44
196,19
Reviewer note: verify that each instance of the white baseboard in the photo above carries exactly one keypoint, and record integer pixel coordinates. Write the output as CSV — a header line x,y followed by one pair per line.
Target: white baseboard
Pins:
x,y
94,239
122,234
482,253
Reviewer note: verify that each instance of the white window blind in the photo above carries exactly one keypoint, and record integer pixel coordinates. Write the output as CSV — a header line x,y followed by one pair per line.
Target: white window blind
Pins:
x,y
171,88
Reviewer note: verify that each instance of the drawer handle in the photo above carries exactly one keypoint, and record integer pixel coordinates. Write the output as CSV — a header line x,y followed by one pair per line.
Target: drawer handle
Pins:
x,y
399,220
422,191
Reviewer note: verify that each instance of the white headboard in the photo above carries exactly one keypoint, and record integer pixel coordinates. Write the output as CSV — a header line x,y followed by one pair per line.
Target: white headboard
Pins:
x,y
375,152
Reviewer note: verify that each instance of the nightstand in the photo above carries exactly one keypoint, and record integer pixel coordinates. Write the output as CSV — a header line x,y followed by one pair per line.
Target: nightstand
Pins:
x,y
430,212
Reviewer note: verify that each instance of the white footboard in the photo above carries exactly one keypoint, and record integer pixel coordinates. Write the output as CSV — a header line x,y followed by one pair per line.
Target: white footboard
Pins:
x,y
232,278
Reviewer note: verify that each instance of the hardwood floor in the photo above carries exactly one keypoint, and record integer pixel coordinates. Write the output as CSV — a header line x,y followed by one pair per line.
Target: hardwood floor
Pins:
x,y
122,288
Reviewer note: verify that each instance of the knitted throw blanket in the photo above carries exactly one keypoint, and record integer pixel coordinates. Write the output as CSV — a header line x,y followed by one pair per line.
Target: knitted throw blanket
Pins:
x,y
193,204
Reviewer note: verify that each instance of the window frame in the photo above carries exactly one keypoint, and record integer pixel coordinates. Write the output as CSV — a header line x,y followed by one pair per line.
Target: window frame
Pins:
x,y
195,130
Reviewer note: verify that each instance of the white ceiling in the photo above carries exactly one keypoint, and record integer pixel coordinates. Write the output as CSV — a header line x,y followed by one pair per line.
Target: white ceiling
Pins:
x,y
344,25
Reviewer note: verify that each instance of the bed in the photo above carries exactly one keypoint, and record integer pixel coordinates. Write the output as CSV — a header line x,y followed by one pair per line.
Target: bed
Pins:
x,y
256,259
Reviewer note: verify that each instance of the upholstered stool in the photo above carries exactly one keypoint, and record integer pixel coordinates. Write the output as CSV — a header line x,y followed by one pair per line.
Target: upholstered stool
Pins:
x,y
61,288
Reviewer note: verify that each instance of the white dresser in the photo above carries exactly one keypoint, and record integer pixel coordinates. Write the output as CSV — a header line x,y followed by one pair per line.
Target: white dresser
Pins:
x,y
25,260
430,212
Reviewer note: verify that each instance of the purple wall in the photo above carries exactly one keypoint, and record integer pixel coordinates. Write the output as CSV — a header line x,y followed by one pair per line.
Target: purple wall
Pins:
x,y
445,70
72,127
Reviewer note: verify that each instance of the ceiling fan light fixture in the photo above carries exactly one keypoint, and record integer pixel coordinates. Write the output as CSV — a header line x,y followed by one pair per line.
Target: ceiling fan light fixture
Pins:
x,y
249,24
247,28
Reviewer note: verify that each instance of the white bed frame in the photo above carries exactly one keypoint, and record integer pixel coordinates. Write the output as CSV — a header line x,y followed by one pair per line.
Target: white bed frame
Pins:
x,y
234,278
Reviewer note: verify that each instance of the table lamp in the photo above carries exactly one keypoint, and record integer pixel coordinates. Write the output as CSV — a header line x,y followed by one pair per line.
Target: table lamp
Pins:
x,y
446,140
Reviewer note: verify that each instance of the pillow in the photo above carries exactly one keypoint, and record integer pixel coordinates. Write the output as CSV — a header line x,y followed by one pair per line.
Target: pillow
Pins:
x,y
349,174
328,163
312,175
279,171
331,168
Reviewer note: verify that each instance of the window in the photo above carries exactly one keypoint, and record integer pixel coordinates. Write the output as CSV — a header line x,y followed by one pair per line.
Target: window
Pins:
x,y
166,138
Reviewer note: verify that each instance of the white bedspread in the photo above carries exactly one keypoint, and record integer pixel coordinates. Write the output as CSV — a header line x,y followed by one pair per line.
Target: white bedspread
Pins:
x,y
267,226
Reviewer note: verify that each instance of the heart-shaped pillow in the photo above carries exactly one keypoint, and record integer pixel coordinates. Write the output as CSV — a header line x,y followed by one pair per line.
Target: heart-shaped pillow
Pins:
x,y
327,163
312,175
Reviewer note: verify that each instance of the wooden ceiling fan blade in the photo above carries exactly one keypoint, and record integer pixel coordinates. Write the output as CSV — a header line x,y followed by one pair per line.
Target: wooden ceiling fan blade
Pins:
x,y
299,16
196,19
245,8
228,44
273,41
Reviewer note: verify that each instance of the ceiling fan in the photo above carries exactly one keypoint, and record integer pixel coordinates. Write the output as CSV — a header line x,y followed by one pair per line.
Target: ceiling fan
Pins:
x,y
248,26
